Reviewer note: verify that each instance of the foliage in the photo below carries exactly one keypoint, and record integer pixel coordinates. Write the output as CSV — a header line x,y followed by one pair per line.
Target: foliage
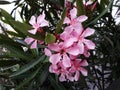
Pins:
x,y
24,68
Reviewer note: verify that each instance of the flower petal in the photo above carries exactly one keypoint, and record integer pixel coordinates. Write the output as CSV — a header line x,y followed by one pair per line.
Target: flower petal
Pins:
x,y
81,47
62,78
69,42
40,18
82,18
83,71
84,63
89,44
88,32
54,47
29,40
34,45
44,23
73,13
33,31
77,75
78,28
73,50
66,20
47,52
66,61
55,58
32,20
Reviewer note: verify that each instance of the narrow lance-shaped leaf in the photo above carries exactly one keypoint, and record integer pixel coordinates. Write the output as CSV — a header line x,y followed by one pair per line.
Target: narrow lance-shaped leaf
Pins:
x,y
6,14
23,28
103,13
4,2
27,66
27,80
80,7
59,25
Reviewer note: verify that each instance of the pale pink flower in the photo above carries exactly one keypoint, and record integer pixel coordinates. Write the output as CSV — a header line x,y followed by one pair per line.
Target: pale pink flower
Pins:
x,y
74,21
83,41
32,42
40,22
77,67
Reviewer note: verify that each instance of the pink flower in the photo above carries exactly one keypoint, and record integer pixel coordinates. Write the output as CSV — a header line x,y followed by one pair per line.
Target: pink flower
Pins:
x,y
36,24
77,67
31,41
75,21
83,41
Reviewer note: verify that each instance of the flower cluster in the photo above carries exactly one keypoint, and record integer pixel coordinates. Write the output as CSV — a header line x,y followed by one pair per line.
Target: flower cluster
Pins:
x,y
64,54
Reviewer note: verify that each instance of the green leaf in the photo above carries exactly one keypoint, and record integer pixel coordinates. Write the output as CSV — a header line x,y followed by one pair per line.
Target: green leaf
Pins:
x,y
23,28
4,2
44,74
50,38
57,86
80,7
6,63
103,13
59,25
28,66
27,80
6,14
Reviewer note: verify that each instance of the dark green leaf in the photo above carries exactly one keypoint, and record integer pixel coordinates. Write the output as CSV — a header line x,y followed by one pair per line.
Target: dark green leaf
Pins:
x,y
80,7
6,14
57,86
4,2
59,25
101,14
23,28
28,66
6,63
27,80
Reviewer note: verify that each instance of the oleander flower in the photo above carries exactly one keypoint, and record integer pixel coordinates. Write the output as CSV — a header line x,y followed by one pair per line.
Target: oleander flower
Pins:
x,y
37,23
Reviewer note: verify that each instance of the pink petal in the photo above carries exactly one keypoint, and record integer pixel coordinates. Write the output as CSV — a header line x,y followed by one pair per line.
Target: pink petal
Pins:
x,y
40,18
47,52
89,2
88,32
66,61
44,23
55,58
83,71
78,28
81,47
82,18
32,20
62,78
69,42
86,53
66,20
73,13
69,29
89,44
54,47
77,75
34,45
64,35
84,63
53,69
33,31
73,51
29,40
